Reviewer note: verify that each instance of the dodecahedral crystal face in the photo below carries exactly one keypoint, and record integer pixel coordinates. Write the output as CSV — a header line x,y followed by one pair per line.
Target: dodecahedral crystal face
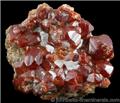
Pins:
x,y
53,53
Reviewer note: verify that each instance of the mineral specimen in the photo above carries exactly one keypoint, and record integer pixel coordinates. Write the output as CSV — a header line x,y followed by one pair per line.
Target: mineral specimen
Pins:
x,y
54,53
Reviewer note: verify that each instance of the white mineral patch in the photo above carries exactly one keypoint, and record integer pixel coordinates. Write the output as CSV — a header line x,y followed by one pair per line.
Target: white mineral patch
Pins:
x,y
54,36
91,78
62,73
63,76
38,39
59,63
44,38
66,71
75,37
70,65
75,23
52,73
75,51
38,59
43,35
32,73
28,60
98,77
51,15
79,46
92,46
42,72
35,81
109,69
64,14
45,22
50,48
65,44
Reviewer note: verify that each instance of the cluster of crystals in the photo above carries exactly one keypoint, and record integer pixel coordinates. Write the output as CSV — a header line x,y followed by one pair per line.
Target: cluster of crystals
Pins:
x,y
59,53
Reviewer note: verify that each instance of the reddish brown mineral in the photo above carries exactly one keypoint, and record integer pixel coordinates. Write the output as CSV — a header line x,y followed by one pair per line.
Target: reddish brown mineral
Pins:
x,y
54,53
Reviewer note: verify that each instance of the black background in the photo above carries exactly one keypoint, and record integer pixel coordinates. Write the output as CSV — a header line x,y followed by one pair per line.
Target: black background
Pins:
x,y
105,18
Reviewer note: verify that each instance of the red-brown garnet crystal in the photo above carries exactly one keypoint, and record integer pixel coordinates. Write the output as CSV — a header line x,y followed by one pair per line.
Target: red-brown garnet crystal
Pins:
x,y
54,53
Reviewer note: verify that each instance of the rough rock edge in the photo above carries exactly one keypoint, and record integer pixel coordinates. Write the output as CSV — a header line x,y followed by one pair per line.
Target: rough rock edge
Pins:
x,y
14,53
